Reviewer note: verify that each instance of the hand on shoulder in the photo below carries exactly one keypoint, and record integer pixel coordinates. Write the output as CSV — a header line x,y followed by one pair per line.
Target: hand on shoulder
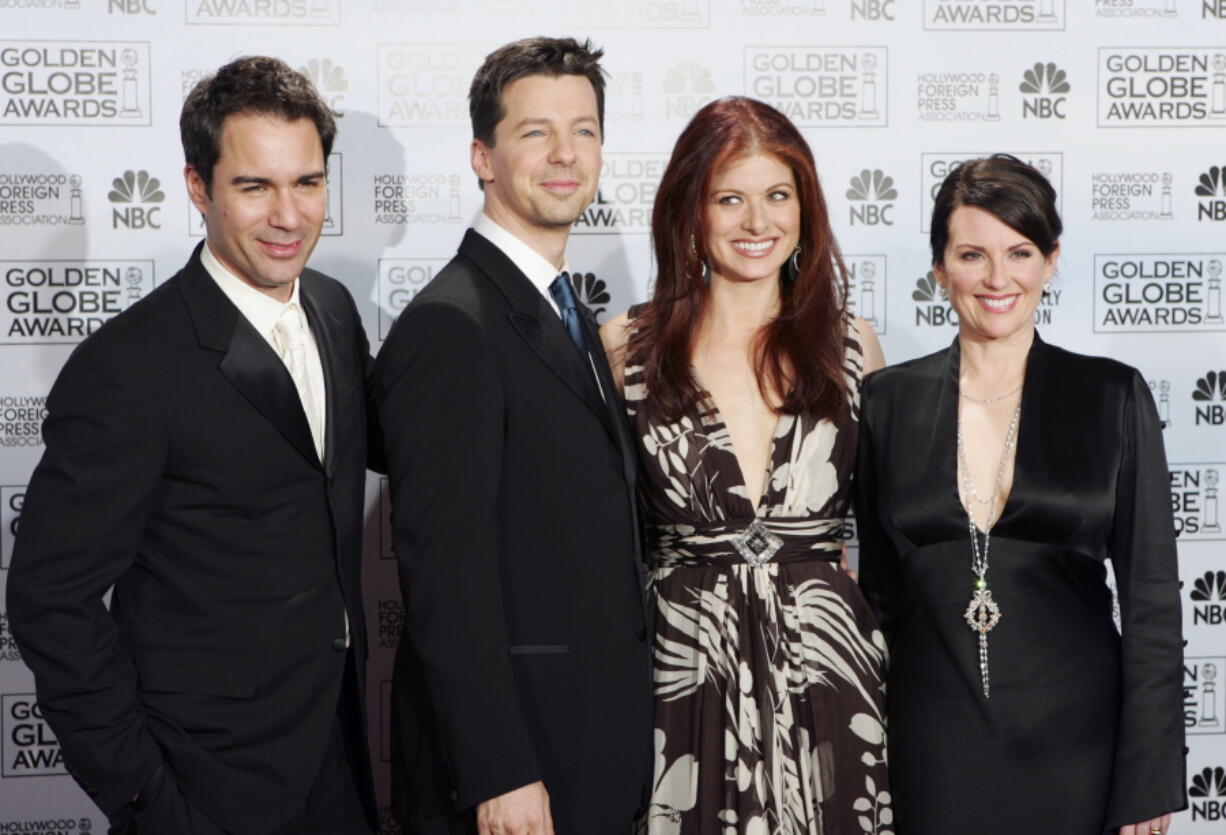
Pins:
x,y
614,335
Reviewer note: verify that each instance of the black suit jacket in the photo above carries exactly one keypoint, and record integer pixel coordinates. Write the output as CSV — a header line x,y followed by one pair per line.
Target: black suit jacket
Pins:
x,y
179,467
525,653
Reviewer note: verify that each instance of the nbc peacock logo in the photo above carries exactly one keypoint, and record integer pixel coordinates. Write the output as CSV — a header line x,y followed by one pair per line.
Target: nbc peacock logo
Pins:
x,y
1211,189
592,291
932,308
136,195
329,79
1208,598
1206,793
1045,88
871,198
1209,395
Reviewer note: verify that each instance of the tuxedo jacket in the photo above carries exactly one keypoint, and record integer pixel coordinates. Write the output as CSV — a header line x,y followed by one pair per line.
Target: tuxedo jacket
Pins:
x,y
525,653
179,468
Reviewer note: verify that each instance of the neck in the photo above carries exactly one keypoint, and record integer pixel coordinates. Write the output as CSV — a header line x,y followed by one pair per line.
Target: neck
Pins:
x,y
991,367
547,241
741,307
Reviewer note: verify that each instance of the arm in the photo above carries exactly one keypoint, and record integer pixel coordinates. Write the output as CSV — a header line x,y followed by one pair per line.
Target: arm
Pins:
x,y
870,347
1148,777
81,528
615,334
880,564
441,401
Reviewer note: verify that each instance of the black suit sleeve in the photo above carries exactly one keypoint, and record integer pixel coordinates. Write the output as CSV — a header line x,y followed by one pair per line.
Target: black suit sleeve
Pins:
x,y
441,404
1148,778
81,527
880,568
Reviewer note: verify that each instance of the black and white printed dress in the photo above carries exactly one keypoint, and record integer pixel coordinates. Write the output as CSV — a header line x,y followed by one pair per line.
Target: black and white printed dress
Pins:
x,y
767,660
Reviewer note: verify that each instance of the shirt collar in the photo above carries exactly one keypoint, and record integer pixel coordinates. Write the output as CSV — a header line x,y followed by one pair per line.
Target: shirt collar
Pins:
x,y
261,309
530,262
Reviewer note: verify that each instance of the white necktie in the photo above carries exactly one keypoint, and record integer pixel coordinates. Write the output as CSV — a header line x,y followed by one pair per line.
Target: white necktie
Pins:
x,y
289,336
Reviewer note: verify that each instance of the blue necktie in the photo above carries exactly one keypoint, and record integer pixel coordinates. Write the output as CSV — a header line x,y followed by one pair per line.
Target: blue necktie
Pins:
x,y
568,306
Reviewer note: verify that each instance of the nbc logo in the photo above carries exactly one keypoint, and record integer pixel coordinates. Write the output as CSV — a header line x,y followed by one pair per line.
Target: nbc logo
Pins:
x,y
687,87
1211,391
1207,596
1205,793
329,79
1211,189
872,195
132,188
592,291
1044,86
931,303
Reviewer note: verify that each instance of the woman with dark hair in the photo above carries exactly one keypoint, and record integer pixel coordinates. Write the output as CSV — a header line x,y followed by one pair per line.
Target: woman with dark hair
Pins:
x,y
994,479
741,377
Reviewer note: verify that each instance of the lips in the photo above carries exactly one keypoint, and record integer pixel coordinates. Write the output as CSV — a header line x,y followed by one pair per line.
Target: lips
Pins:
x,y
754,249
281,250
997,304
560,186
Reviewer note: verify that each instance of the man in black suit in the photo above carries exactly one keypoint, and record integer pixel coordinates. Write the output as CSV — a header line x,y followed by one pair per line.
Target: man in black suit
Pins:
x,y
205,455
522,696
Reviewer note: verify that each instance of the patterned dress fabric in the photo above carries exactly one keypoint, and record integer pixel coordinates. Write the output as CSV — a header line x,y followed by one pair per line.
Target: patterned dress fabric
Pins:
x,y
767,660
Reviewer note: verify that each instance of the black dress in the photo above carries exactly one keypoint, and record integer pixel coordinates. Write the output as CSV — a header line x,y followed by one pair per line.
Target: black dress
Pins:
x,y
1084,728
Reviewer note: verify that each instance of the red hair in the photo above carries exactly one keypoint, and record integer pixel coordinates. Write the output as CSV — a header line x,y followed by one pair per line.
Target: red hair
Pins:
x,y
799,354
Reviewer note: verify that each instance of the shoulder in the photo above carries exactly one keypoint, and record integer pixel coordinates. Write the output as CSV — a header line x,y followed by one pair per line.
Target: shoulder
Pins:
x,y
615,333
1100,379
904,377
866,340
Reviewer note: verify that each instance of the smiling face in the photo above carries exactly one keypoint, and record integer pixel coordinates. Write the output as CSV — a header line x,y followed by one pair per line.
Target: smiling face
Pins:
x,y
994,276
542,171
752,219
269,199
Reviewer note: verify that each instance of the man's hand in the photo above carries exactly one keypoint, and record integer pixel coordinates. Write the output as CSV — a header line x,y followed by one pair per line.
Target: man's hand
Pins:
x,y
524,811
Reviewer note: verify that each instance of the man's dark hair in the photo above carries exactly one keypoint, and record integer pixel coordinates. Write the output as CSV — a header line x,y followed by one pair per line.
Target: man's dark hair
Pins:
x,y
254,84
520,59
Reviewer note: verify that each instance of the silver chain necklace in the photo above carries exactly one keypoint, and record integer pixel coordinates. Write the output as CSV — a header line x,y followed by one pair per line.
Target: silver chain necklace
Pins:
x,y
990,400
983,613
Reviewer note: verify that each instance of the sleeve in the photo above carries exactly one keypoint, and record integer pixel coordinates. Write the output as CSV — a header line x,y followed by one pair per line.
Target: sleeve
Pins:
x,y
81,527
880,567
441,404
1148,778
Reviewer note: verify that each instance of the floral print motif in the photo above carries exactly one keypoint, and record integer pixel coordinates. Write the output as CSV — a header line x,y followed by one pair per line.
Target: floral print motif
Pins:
x,y
768,678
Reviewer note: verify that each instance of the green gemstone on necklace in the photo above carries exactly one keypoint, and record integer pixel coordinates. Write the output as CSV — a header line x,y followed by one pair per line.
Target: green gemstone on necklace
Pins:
x,y
981,583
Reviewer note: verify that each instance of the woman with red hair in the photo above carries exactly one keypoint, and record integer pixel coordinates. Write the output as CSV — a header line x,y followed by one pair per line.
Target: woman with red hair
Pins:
x,y
741,377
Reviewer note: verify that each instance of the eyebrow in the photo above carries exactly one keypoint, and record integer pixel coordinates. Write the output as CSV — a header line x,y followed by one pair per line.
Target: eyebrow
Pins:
x,y
738,191
243,180
542,120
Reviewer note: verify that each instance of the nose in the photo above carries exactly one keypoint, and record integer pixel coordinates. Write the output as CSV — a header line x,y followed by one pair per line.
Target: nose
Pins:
x,y
562,151
998,276
755,217
285,213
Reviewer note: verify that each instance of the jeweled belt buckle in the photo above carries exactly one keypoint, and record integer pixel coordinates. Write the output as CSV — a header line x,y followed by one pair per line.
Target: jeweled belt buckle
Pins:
x,y
757,543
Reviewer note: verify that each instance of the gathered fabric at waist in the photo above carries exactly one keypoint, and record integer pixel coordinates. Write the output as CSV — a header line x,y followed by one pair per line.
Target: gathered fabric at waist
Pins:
x,y
753,541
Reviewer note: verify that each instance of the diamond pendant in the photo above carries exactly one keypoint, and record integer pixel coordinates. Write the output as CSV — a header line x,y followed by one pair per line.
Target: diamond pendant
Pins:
x,y
981,615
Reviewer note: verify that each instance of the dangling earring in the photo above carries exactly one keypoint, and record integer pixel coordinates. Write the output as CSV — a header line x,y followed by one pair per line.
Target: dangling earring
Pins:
x,y
793,271
706,269
706,274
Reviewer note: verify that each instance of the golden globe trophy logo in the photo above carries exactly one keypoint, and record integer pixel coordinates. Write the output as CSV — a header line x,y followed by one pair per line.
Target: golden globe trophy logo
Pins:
x,y
1196,500
821,86
1132,195
1161,86
958,96
334,218
399,281
264,12
12,499
627,192
638,14
426,85
40,199
1158,292
994,15
935,167
52,302
74,83
29,747
866,289
1204,695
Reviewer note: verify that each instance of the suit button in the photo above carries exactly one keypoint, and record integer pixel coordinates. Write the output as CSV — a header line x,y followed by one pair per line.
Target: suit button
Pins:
x,y
338,645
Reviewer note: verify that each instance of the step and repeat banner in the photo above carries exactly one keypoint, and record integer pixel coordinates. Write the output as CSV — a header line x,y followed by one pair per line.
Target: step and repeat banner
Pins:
x,y
1121,103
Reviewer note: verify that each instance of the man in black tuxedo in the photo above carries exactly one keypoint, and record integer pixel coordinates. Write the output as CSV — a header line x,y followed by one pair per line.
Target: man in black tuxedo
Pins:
x,y
205,455
521,697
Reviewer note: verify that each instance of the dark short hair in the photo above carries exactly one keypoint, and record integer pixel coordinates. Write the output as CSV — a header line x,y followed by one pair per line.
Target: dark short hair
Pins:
x,y
520,59
1017,194
254,84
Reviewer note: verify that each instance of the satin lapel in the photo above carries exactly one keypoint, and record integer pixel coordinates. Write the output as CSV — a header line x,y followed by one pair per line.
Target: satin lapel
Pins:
x,y
943,442
328,337
255,369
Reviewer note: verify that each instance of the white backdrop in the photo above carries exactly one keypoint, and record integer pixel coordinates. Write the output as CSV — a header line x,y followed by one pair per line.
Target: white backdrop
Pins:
x,y
1121,102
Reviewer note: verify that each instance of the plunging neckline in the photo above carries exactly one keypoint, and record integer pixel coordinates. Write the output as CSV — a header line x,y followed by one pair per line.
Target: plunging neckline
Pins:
x,y
717,419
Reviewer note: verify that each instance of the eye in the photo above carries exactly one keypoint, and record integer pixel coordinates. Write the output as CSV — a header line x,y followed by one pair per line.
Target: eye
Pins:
x,y
1023,253
586,132
254,188
969,255
537,132
780,195
728,200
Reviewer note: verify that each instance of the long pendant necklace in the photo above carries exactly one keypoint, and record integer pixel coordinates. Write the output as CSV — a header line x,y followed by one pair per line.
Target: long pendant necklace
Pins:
x,y
983,613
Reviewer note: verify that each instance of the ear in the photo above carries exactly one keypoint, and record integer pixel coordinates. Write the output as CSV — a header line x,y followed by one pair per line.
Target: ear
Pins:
x,y
1050,269
482,165
938,270
196,192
